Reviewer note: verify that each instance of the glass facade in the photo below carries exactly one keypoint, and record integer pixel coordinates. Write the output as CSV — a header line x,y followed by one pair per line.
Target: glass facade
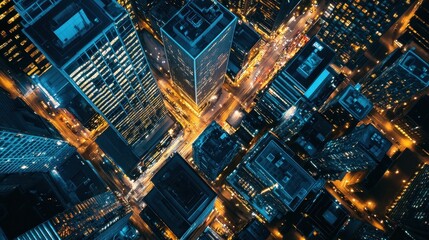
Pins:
x,y
198,53
105,62
28,153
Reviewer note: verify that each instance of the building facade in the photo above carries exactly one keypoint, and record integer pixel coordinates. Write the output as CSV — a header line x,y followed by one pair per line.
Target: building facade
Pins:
x,y
397,80
15,48
95,46
27,142
411,208
99,217
362,149
197,43
352,26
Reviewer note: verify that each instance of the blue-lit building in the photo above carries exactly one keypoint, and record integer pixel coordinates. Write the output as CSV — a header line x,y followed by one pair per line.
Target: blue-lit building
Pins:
x,y
197,43
27,142
99,217
95,46
270,179
360,150
213,150
397,79
303,77
179,202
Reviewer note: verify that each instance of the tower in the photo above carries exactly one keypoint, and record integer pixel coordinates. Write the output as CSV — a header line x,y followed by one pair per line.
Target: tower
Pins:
x,y
197,43
95,46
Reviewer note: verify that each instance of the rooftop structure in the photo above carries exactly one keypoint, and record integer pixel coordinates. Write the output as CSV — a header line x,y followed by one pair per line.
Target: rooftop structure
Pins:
x,y
355,103
213,150
270,179
180,198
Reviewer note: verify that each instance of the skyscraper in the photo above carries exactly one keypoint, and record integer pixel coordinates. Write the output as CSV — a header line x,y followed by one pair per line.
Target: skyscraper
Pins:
x,y
267,15
241,7
197,43
27,144
396,80
411,208
362,149
95,46
270,179
15,47
352,26
99,217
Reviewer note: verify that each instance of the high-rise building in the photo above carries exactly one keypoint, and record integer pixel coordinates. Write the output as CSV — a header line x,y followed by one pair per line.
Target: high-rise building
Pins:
x,y
410,209
213,150
269,14
179,202
197,43
397,79
352,26
347,109
95,46
99,217
270,179
362,149
303,76
27,142
418,28
15,48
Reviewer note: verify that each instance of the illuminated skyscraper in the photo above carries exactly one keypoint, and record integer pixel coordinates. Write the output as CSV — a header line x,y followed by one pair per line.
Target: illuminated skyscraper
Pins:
x,y
197,43
95,46
99,217
241,7
352,26
400,77
15,47
362,149
418,28
26,142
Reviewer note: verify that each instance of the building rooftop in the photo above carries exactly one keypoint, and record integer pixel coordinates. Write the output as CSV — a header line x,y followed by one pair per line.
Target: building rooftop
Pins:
x,y
416,66
310,62
276,168
374,142
419,113
216,143
197,24
71,25
356,103
179,196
